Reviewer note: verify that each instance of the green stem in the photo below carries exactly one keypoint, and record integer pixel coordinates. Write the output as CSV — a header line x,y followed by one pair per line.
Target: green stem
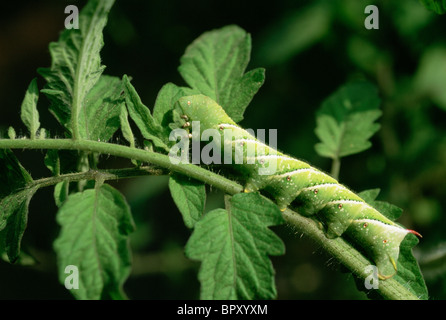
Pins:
x,y
154,158
335,168
340,249
75,114
114,174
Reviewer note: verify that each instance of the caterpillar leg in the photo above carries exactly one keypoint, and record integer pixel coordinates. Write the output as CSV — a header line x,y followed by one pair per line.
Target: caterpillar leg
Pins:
x,y
282,200
253,185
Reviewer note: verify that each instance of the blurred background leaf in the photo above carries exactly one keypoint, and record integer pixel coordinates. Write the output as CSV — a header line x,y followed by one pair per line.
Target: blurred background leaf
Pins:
x,y
346,122
439,6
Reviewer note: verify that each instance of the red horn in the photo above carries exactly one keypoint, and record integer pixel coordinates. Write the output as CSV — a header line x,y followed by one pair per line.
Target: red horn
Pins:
x,y
415,233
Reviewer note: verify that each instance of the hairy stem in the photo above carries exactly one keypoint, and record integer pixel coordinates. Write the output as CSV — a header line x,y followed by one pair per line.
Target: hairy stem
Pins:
x,y
339,248
154,158
114,174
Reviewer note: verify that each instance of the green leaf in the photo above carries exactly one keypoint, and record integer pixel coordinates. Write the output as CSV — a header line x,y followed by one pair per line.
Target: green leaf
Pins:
x,y
140,114
13,177
409,273
15,196
11,133
13,221
76,65
165,101
367,55
438,6
189,196
433,263
61,192
369,195
52,161
389,210
95,225
234,245
126,130
25,259
99,119
29,113
125,126
62,162
346,120
286,39
430,78
215,64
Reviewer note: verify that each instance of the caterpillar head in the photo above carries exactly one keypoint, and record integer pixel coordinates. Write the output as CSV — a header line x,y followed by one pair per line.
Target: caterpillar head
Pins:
x,y
203,109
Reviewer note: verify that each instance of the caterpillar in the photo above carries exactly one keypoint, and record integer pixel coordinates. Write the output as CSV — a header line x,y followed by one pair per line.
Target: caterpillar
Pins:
x,y
297,184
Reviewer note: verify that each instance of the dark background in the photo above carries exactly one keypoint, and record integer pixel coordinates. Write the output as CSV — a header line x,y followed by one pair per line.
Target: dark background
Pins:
x,y
309,49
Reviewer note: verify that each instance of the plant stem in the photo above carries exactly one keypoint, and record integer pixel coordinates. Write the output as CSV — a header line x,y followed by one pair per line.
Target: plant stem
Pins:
x,y
154,158
335,168
75,111
113,174
339,248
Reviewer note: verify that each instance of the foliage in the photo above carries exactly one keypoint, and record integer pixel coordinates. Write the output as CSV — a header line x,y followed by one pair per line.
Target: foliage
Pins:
x,y
234,244
439,6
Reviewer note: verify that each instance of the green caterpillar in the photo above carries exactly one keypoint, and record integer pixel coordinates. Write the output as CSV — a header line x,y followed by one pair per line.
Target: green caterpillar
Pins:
x,y
297,184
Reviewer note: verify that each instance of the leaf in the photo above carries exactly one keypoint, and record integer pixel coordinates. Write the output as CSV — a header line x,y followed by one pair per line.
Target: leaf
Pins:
x,y
99,119
126,130
13,221
433,262
190,197
409,273
25,259
430,78
13,177
95,225
286,39
29,113
62,162
76,65
165,101
42,134
15,196
215,64
368,56
61,192
346,120
233,246
52,161
387,209
438,6
140,114
125,126
11,133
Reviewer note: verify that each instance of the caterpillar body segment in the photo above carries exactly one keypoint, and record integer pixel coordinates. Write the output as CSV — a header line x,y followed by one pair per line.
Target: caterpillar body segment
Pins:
x,y
380,241
295,183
